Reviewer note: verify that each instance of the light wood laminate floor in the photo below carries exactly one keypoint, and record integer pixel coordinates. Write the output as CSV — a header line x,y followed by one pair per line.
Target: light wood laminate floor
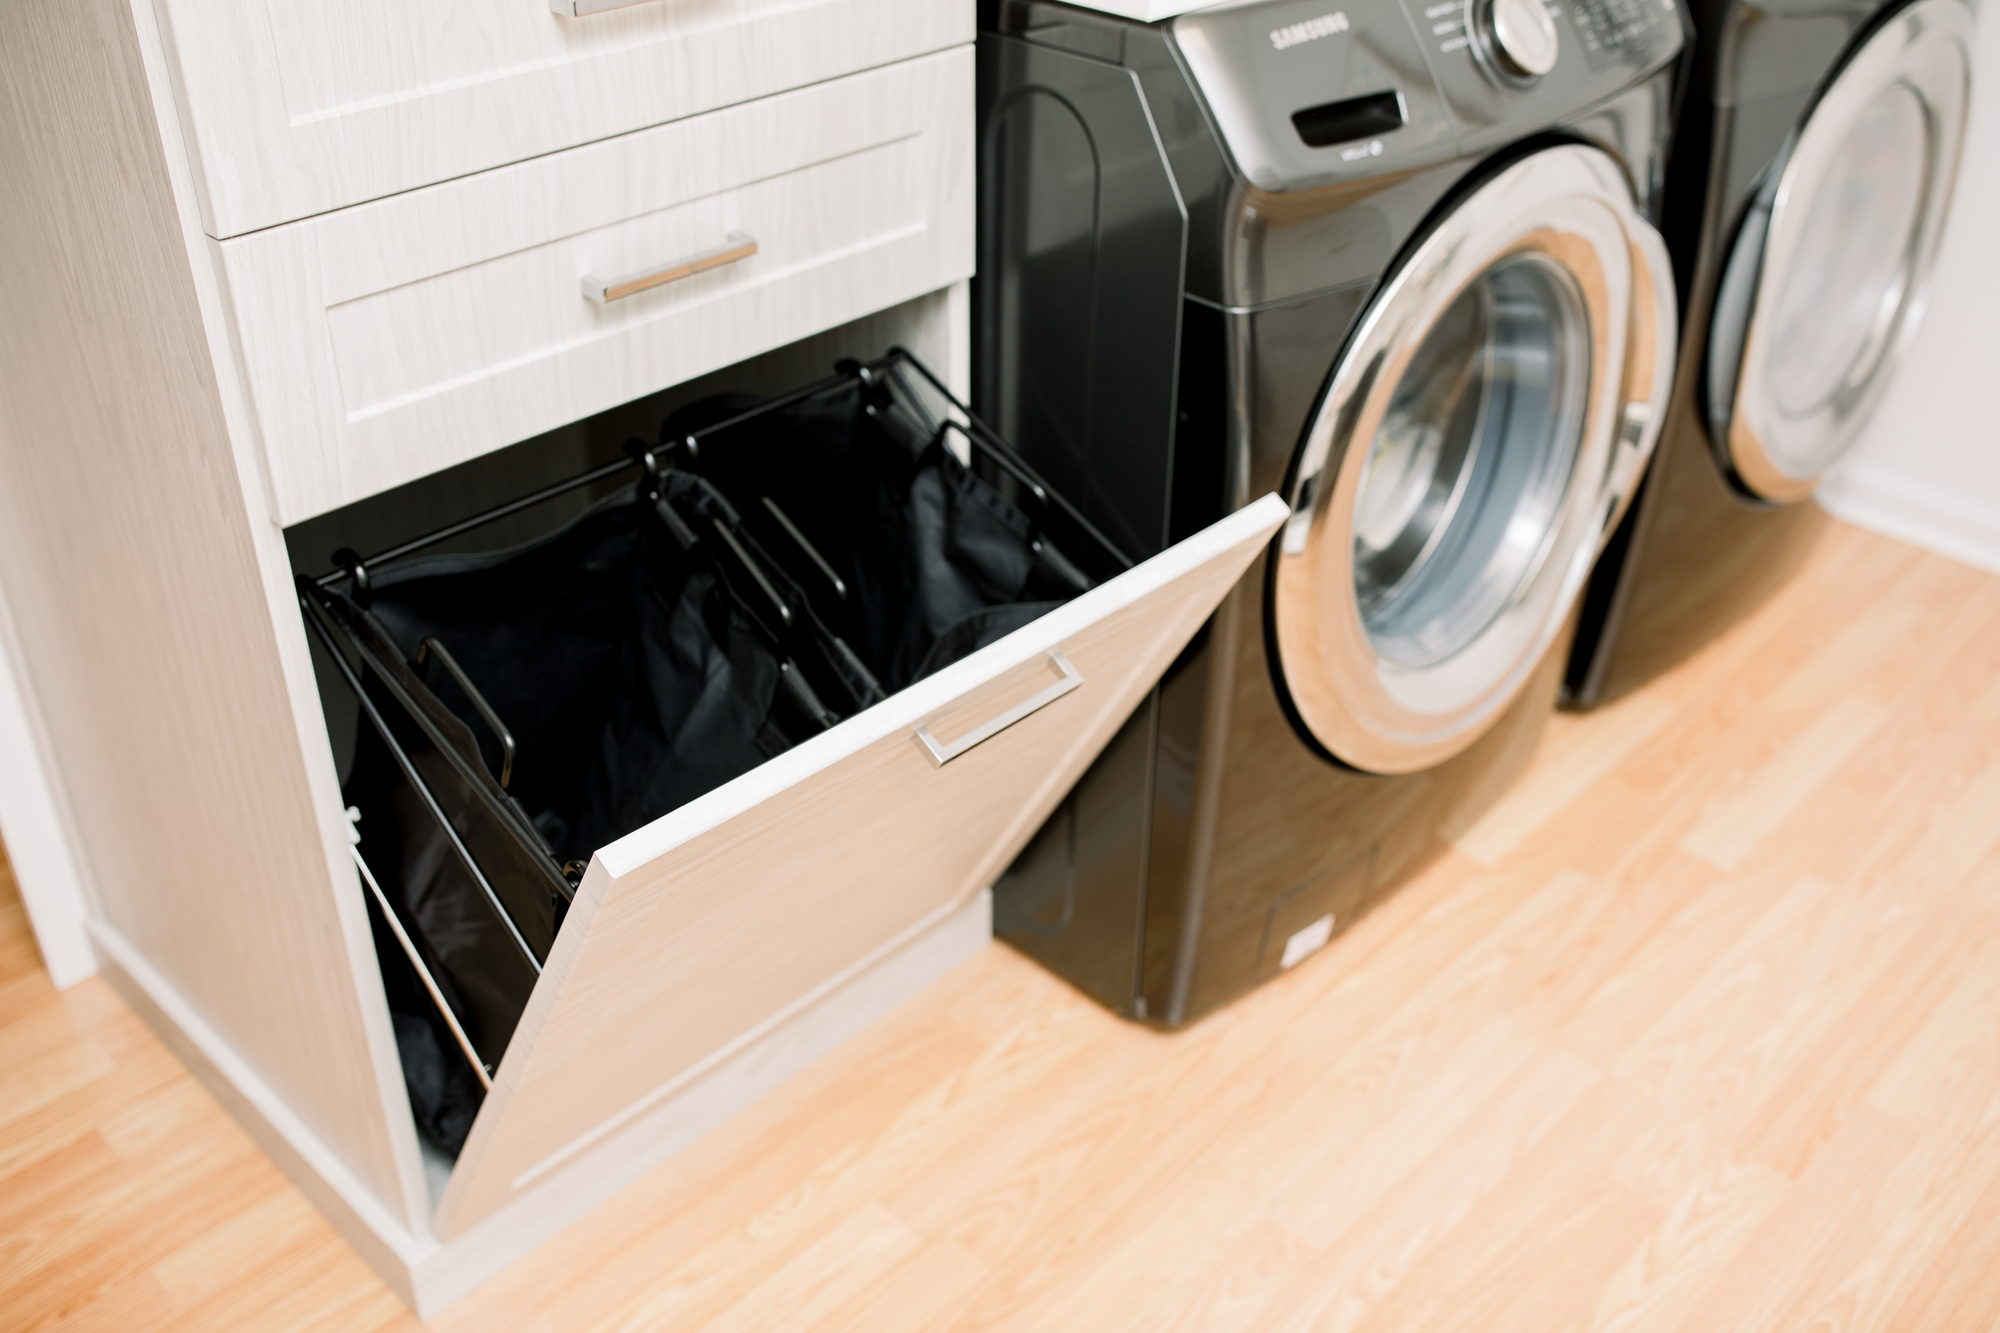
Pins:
x,y
1699,1029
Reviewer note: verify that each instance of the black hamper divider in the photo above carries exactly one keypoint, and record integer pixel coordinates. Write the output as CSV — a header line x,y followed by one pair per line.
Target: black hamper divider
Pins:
x,y
776,566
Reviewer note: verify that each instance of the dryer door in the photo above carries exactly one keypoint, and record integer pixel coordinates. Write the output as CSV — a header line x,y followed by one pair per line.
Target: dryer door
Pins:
x,y
1825,284
1475,444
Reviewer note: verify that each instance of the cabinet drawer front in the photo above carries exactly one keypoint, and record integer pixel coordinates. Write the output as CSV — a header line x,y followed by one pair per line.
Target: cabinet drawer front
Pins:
x,y
693,936
298,107
385,342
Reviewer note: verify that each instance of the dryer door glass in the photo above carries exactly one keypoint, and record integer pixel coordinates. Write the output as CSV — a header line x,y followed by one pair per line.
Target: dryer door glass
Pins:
x,y
1463,487
1472,446
1824,287
1829,332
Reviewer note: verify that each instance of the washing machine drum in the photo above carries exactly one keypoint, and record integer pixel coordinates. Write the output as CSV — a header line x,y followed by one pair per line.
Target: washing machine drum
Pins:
x,y
1474,445
1824,285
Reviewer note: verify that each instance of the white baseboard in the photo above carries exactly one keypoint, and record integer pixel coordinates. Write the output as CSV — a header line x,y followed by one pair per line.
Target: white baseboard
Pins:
x,y
1925,516
429,1275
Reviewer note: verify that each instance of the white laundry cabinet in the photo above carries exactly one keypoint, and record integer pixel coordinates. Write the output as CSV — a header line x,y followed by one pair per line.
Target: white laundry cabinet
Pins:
x,y
265,258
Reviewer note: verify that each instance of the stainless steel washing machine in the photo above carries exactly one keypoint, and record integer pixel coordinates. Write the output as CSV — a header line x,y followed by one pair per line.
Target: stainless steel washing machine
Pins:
x,y
1392,259
1812,173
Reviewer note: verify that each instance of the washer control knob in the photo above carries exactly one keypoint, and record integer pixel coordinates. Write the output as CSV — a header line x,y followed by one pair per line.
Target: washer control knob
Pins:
x,y
1522,37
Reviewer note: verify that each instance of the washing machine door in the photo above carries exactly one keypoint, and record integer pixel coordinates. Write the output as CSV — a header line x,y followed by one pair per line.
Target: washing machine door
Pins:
x,y
1825,284
1474,445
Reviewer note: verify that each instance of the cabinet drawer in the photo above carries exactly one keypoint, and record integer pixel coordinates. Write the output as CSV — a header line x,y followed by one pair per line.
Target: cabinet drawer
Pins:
x,y
740,909
298,107
385,342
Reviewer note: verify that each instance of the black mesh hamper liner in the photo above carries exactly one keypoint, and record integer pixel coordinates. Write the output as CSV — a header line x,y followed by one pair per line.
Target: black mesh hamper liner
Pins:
x,y
777,567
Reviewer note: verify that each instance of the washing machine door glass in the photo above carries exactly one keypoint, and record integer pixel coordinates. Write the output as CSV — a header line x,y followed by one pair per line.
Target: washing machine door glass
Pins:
x,y
1477,438
1823,288
1463,487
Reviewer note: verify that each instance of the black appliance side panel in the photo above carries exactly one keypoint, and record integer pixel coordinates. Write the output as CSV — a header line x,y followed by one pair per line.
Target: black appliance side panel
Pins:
x,y
1077,900
1082,242
1207,187
1213,898
1074,899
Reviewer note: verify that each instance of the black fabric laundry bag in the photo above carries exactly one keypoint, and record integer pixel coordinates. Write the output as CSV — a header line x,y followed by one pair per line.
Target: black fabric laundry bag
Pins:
x,y
786,567
934,562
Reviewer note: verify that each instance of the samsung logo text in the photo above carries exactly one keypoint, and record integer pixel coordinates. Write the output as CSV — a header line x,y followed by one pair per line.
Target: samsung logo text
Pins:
x,y
1297,34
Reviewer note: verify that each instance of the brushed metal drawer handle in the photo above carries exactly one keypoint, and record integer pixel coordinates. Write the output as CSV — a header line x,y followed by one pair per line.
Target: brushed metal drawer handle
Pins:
x,y
738,246
577,9
942,754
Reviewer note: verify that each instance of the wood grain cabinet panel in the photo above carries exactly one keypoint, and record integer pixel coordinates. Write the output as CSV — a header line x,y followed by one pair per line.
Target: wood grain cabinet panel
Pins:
x,y
299,107
385,342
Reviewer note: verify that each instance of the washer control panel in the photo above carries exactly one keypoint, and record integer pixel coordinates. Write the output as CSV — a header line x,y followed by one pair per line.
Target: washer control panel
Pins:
x,y
1310,93
1505,66
1609,30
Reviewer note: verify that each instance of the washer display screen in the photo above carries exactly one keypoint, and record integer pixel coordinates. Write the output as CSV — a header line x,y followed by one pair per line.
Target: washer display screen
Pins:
x,y
1465,479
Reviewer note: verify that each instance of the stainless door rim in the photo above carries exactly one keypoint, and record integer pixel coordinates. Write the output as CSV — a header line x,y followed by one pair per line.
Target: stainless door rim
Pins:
x,y
1571,206
1779,455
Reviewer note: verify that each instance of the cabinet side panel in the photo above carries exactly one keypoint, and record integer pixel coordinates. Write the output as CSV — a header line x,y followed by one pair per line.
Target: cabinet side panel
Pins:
x,y
130,554
41,845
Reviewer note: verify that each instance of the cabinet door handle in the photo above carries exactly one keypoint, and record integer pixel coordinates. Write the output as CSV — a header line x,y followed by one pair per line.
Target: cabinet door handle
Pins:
x,y
738,246
576,9
942,753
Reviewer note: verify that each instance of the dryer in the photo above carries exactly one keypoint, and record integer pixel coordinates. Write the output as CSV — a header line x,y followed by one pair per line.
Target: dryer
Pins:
x,y
1392,259
1811,176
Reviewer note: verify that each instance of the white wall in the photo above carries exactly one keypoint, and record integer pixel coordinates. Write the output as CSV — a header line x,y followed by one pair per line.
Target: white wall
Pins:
x,y
1927,468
